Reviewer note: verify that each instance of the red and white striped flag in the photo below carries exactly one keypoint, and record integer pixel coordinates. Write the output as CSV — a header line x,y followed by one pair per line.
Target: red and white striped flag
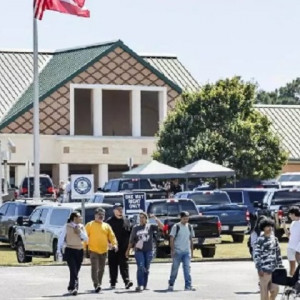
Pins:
x,y
72,7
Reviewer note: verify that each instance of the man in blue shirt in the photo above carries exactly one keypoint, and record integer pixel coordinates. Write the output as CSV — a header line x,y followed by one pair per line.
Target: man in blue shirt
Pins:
x,y
181,243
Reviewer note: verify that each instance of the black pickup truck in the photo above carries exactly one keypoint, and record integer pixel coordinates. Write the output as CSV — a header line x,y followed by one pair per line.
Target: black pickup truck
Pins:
x,y
134,185
207,228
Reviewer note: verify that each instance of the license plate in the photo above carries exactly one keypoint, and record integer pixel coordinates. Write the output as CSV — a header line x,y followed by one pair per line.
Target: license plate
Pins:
x,y
225,227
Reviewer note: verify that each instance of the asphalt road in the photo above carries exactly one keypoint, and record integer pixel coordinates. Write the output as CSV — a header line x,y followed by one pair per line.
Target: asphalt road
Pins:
x,y
213,280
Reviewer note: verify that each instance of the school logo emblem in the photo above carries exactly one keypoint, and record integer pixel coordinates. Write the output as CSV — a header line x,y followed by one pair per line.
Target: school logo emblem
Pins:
x,y
82,185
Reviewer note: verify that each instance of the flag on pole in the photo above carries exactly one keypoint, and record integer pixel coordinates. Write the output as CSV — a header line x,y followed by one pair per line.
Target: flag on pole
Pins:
x,y
72,7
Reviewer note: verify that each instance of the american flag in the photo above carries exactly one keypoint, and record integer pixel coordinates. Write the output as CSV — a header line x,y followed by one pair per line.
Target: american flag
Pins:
x,y
73,7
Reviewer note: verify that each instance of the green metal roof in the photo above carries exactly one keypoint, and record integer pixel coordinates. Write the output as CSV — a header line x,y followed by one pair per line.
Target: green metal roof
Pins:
x,y
285,121
67,64
173,69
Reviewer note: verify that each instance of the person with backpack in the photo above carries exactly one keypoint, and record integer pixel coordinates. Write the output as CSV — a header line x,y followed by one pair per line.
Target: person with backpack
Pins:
x,y
181,243
121,228
141,238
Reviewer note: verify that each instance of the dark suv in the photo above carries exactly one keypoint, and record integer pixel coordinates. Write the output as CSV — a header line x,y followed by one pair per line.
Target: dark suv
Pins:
x,y
46,187
9,213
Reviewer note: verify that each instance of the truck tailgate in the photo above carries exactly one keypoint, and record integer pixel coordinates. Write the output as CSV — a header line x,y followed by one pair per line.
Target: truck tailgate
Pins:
x,y
228,214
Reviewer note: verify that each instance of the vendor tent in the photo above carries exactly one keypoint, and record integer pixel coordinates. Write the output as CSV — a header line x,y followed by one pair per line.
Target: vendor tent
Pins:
x,y
204,168
154,170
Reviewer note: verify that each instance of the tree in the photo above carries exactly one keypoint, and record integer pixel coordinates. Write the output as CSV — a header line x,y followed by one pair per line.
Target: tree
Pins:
x,y
289,94
220,124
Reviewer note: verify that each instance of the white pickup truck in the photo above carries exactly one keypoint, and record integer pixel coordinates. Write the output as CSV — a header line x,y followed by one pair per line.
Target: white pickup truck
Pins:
x,y
38,235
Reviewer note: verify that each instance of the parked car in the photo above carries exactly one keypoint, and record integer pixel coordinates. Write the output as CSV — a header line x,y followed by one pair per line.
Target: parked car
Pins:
x,y
9,213
234,217
46,187
289,180
253,198
38,235
134,185
279,203
109,198
207,228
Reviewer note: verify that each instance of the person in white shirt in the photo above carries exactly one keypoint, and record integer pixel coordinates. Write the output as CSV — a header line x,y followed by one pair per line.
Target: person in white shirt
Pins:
x,y
294,237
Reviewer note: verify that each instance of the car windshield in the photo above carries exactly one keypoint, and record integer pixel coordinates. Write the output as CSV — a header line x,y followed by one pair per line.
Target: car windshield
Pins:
x,y
45,183
112,199
208,198
290,177
280,197
25,210
256,196
172,208
59,217
133,184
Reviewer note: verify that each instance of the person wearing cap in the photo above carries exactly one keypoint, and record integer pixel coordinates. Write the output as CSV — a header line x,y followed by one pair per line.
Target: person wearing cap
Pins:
x,y
100,237
181,244
118,260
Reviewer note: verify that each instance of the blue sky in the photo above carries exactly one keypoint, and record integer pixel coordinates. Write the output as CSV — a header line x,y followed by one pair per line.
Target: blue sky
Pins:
x,y
256,39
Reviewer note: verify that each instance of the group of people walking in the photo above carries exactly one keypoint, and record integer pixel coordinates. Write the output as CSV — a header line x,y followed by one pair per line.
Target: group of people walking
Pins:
x,y
266,252
114,240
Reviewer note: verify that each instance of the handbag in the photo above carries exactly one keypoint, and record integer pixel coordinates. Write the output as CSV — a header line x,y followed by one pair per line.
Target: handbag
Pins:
x,y
279,276
139,245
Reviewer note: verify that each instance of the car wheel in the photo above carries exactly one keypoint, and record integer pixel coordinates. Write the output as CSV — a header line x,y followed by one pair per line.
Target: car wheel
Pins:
x,y
208,252
238,238
21,254
12,242
54,249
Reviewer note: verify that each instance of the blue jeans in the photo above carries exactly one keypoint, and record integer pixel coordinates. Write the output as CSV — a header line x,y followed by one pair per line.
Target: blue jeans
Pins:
x,y
143,260
185,259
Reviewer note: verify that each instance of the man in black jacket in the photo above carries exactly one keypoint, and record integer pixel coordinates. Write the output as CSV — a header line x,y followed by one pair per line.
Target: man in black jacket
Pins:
x,y
121,227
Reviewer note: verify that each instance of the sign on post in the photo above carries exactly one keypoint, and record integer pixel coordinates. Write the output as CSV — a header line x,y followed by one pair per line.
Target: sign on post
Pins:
x,y
82,187
134,203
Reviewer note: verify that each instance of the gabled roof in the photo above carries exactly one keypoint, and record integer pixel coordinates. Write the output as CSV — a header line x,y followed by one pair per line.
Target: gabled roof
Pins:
x,y
56,68
173,69
16,70
286,123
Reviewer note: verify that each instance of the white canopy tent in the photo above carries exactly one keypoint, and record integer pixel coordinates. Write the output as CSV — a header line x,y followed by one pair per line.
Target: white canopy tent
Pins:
x,y
155,170
205,168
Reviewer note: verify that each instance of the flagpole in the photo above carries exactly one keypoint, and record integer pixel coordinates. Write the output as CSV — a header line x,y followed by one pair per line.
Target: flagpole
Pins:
x,y
36,121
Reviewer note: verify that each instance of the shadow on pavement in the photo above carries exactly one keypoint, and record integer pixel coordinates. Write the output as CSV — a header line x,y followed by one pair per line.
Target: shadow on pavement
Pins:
x,y
247,293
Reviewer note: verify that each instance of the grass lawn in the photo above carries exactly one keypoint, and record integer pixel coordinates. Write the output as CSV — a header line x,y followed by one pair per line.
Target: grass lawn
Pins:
x,y
226,250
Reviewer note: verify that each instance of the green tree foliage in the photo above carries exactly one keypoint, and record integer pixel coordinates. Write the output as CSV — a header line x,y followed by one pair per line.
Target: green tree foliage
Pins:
x,y
289,94
219,124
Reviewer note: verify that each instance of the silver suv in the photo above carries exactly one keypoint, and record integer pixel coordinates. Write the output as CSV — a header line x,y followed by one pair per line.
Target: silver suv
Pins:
x,y
38,236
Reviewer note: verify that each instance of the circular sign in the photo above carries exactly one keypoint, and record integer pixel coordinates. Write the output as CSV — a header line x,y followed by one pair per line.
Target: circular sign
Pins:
x,y
82,185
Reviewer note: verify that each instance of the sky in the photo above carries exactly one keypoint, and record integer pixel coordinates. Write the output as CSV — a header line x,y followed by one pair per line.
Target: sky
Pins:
x,y
256,39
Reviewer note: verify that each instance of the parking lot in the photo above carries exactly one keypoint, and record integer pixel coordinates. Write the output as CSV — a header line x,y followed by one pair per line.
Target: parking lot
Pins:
x,y
213,280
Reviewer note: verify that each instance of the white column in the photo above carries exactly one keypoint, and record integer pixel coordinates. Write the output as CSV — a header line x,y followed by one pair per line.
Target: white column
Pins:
x,y
21,172
63,172
72,110
163,108
102,174
97,112
136,113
